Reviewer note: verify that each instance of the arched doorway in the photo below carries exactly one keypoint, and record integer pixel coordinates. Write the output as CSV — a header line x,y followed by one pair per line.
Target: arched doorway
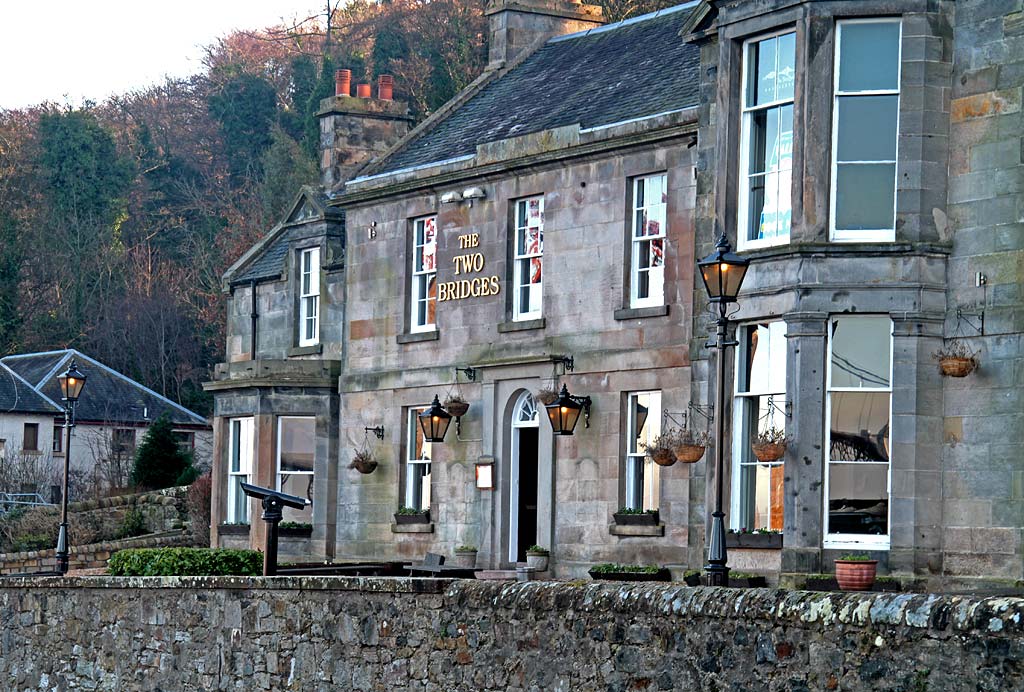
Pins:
x,y
524,435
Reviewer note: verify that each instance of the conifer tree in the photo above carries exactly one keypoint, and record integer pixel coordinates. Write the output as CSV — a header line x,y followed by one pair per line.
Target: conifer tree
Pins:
x,y
160,462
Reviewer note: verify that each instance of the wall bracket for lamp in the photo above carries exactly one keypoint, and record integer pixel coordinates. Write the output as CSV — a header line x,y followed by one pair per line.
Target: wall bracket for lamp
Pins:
x,y
567,363
378,431
468,371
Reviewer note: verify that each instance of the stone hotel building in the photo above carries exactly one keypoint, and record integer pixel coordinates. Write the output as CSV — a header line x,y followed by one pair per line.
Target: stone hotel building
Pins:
x,y
541,230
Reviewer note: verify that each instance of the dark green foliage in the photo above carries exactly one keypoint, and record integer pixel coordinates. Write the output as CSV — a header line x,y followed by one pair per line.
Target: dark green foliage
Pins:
x,y
133,524
160,462
10,264
286,168
181,562
304,80
324,88
627,510
87,181
609,567
245,105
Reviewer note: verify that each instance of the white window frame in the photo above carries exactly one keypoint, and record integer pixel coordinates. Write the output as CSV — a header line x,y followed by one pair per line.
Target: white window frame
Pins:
x,y
641,472
411,461
278,484
854,540
880,235
527,258
309,296
419,290
242,447
636,241
746,118
742,454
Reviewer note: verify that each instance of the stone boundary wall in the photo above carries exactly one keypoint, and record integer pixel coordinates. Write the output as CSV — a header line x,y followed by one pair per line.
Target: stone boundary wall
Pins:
x,y
90,556
325,633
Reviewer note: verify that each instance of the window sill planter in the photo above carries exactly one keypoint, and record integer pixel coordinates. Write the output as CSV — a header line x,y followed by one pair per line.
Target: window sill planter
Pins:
x,y
661,574
856,575
756,541
636,530
748,581
644,519
417,518
295,531
233,529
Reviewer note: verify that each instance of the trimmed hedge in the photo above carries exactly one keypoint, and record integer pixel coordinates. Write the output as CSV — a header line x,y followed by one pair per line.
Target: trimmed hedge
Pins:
x,y
185,562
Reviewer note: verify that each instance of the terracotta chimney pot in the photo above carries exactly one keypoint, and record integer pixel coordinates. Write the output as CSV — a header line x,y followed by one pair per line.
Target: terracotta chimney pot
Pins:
x,y
343,83
385,87
363,91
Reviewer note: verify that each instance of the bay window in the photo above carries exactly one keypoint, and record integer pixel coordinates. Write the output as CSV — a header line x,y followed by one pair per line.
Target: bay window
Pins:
x,y
296,450
766,141
417,462
423,293
647,273
643,479
309,297
760,404
857,445
240,449
865,118
528,259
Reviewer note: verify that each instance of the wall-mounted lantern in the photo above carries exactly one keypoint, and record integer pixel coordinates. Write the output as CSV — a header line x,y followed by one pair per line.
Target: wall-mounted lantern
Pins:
x,y
485,473
565,411
435,421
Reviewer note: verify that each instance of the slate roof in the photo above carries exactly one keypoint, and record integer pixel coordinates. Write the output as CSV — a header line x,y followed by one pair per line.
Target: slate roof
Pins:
x,y
16,396
108,395
269,264
633,69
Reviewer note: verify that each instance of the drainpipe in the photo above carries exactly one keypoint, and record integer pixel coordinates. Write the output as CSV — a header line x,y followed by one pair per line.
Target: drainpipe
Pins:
x,y
254,316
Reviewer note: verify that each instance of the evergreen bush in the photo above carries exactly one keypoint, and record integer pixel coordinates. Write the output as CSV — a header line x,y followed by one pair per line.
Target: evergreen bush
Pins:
x,y
160,462
182,562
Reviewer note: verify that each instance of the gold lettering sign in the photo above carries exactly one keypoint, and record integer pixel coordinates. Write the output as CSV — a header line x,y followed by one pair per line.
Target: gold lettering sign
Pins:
x,y
471,263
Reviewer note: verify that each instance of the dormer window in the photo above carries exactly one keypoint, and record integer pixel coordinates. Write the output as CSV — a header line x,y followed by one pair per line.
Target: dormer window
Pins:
x,y
309,296
766,145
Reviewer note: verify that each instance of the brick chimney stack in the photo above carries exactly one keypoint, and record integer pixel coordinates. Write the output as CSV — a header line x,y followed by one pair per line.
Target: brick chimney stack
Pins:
x,y
515,25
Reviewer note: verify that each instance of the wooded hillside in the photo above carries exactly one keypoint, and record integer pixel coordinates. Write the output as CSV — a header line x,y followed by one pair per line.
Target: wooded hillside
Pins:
x,y
118,219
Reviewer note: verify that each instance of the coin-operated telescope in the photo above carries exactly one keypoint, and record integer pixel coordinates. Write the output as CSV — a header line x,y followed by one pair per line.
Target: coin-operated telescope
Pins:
x,y
274,502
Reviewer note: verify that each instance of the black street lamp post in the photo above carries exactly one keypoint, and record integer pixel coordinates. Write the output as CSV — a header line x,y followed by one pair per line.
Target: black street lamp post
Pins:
x,y
71,383
723,273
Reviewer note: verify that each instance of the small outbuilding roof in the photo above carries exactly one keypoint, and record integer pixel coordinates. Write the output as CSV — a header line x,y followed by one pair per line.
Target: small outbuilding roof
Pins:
x,y
626,71
108,396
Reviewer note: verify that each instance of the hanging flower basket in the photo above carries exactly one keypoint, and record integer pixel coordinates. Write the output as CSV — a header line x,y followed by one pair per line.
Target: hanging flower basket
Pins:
x,y
689,453
769,451
547,396
675,445
456,406
957,367
956,359
770,445
363,462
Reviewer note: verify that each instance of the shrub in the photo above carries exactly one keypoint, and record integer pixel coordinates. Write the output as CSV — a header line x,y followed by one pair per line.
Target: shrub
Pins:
x,y
160,461
538,550
412,510
181,562
133,524
607,567
628,510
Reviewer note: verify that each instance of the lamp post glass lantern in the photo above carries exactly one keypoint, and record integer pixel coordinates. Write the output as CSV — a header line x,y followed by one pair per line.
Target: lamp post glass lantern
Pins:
x,y
435,421
564,412
71,383
722,272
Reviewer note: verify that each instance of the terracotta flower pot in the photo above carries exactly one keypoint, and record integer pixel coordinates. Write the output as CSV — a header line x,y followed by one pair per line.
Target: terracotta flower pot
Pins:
x,y
856,575
663,457
689,454
769,451
952,366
